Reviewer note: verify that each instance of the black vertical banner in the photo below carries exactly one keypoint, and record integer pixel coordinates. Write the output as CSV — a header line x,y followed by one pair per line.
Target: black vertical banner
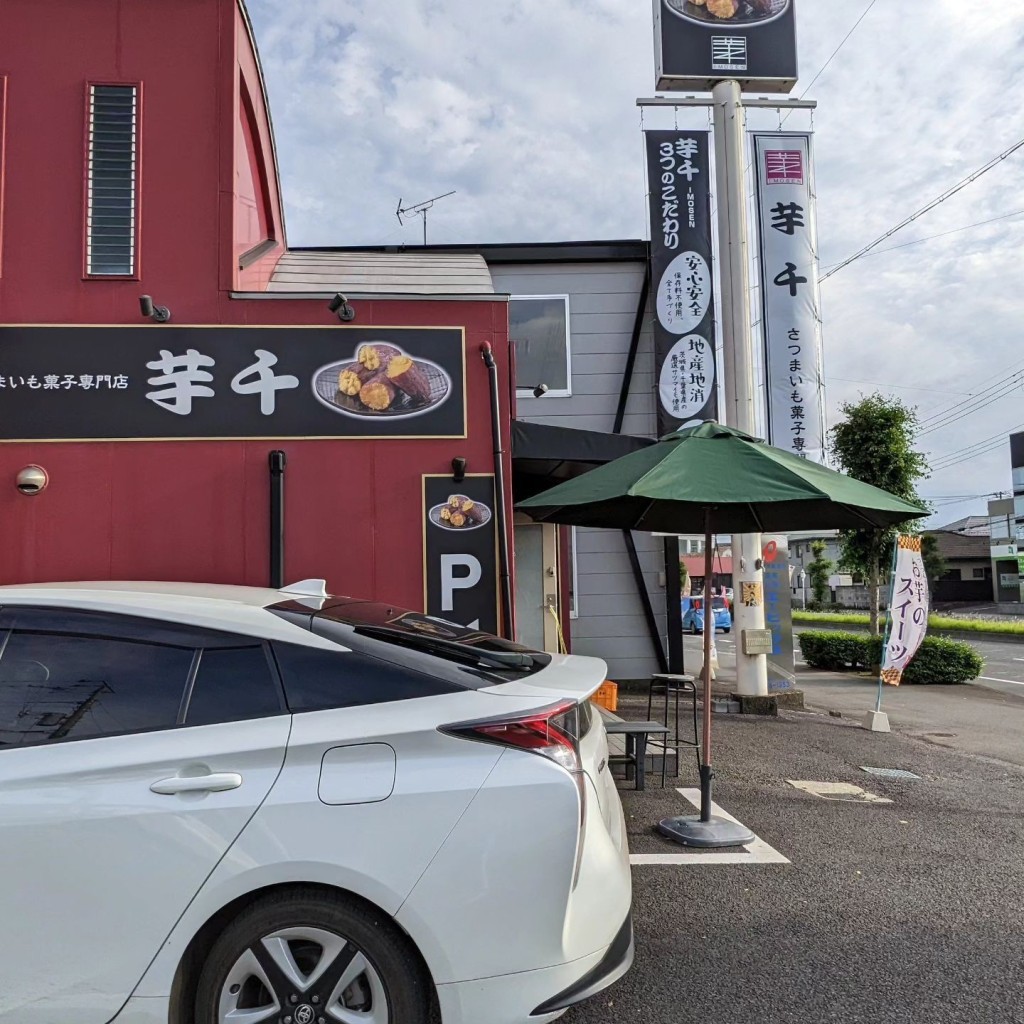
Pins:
x,y
460,549
679,173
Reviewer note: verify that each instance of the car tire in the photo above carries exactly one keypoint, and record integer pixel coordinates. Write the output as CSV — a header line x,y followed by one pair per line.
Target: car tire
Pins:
x,y
306,952
725,629
694,630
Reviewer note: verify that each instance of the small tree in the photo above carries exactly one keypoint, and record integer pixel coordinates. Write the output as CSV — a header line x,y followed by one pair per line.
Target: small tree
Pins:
x,y
819,571
684,579
934,564
875,443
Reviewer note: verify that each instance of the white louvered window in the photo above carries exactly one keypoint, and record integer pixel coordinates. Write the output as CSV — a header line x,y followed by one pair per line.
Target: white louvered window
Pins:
x,y
112,212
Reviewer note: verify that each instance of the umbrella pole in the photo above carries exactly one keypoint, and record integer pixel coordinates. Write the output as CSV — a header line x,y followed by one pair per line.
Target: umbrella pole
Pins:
x,y
709,626
705,830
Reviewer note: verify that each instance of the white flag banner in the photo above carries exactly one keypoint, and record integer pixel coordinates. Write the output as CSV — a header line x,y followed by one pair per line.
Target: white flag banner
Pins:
x,y
790,301
908,610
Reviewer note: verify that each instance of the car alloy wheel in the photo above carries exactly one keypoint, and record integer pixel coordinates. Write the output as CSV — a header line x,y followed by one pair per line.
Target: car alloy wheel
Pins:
x,y
303,976
306,955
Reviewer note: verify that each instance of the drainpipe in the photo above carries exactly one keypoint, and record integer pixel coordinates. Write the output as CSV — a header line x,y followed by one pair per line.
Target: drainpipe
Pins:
x,y
501,491
277,464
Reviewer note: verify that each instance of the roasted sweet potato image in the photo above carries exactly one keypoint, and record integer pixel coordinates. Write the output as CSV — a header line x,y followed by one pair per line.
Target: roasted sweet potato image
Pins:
x,y
351,381
473,512
409,377
724,9
458,520
377,394
376,357
763,7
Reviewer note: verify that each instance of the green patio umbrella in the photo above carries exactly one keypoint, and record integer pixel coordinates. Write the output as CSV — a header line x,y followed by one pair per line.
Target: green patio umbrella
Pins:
x,y
713,479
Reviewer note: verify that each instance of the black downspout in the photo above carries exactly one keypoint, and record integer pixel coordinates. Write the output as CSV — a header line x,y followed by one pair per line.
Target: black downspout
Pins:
x,y
673,661
645,600
634,347
277,464
504,573
673,606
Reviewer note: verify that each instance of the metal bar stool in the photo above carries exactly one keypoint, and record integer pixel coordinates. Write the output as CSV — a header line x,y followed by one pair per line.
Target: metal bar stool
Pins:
x,y
671,685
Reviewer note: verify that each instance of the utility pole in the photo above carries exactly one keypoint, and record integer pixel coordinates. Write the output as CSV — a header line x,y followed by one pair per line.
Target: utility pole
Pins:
x,y
730,161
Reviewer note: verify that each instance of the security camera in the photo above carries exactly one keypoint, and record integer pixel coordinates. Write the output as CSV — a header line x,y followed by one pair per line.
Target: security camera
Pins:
x,y
158,314
540,390
32,480
339,305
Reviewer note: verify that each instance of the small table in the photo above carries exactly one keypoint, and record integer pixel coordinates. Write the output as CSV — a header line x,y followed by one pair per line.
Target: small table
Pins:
x,y
636,734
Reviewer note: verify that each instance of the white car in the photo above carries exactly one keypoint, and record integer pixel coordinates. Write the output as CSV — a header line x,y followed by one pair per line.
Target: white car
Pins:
x,y
228,805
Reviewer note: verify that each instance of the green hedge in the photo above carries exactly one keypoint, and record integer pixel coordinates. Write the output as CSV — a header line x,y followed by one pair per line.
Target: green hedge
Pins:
x,y
938,661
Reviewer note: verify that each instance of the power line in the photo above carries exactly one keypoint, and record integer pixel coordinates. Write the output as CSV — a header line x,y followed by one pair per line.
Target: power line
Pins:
x,y
979,402
928,207
986,450
899,387
833,57
941,234
984,393
1001,436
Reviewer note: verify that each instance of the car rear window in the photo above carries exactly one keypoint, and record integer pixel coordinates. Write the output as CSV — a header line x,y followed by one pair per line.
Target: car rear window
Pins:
x,y
316,679
465,658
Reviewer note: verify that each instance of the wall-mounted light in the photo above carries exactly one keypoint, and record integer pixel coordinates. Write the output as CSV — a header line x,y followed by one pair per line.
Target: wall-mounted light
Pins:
x,y
32,480
458,470
339,305
158,314
540,390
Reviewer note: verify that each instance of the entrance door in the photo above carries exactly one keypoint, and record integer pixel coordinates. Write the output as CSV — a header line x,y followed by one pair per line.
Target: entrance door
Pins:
x,y
536,585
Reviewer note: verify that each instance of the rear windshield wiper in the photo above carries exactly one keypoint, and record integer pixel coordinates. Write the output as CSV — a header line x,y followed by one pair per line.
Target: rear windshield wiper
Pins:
x,y
495,659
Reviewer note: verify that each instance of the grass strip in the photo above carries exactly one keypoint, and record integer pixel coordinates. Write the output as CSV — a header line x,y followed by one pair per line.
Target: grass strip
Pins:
x,y
941,622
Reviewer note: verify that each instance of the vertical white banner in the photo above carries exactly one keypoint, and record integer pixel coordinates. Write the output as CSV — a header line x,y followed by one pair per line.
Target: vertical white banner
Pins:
x,y
908,610
790,300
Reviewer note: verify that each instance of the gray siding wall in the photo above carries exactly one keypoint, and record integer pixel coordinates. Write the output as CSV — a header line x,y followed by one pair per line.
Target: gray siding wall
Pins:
x,y
602,309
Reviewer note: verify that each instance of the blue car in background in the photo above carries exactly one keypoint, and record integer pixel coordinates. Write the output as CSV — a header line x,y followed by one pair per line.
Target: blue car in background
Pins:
x,y
693,614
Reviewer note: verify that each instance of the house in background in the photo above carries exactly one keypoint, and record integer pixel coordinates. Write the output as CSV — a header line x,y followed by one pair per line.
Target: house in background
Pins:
x,y
968,575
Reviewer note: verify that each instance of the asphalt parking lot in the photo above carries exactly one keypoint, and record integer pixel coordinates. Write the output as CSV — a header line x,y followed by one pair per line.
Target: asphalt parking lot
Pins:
x,y
887,912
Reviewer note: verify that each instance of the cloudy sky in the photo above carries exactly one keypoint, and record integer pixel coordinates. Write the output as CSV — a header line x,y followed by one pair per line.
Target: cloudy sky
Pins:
x,y
526,108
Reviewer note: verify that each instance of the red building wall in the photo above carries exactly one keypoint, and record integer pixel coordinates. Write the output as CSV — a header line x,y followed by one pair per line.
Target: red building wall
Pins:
x,y
193,510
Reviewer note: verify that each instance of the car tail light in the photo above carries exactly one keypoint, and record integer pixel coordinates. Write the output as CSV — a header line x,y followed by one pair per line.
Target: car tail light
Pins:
x,y
553,732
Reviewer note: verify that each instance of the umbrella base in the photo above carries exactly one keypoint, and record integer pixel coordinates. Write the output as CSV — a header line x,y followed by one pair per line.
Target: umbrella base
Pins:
x,y
716,833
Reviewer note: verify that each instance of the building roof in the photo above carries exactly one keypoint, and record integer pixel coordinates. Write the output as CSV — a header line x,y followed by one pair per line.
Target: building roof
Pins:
x,y
972,526
962,547
606,251
695,565
364,272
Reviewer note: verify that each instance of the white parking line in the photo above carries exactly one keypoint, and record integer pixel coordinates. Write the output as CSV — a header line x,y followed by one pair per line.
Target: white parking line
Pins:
x,y
757,852
1012,682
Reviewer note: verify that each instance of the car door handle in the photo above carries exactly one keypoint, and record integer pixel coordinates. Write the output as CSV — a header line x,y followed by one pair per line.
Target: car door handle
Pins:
x,y
216,783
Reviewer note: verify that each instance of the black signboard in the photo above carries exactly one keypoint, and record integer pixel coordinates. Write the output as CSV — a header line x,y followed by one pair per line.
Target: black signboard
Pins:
x,y
752,42
679,172
1017,451
460,550
182,383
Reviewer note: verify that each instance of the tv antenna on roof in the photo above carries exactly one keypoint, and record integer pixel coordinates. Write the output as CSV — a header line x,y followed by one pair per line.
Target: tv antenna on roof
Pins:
x,y
419,209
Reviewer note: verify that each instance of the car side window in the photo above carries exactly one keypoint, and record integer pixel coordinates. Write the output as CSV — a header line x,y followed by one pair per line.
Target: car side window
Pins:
x,y
232,684
68,674
62,687
315,679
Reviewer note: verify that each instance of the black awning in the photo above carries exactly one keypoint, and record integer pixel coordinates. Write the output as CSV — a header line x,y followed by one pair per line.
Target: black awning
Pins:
x,y
544,455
